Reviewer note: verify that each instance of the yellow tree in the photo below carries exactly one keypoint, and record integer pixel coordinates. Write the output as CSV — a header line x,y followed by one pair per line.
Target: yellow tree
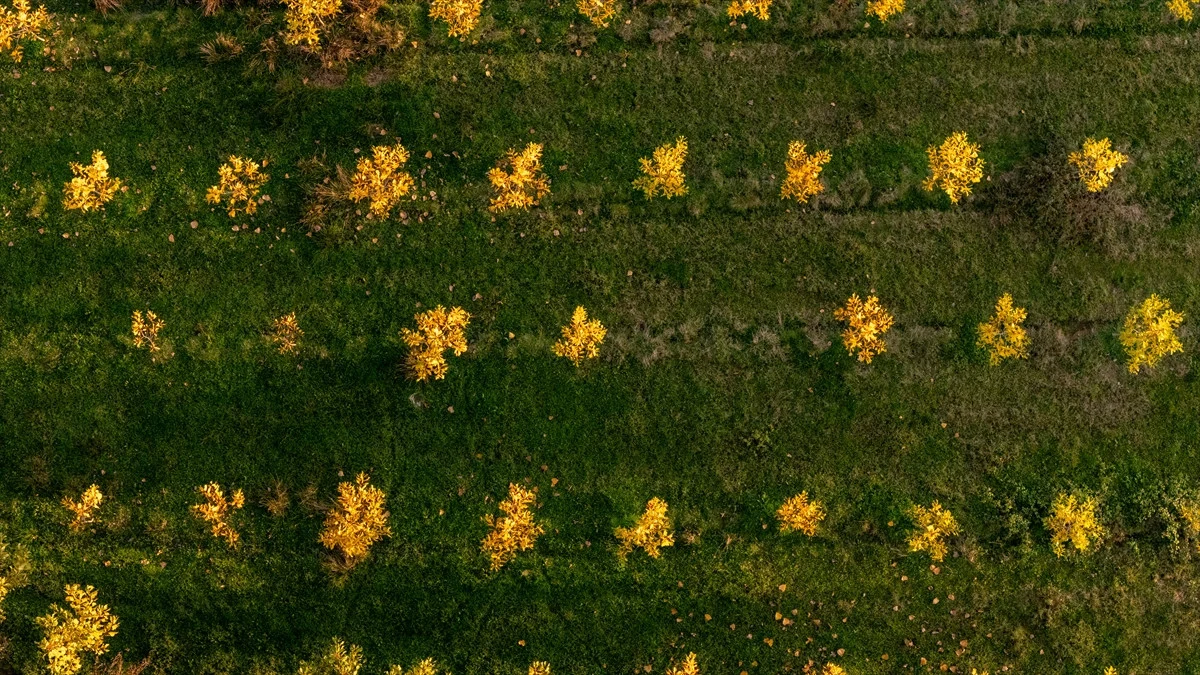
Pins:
x,y
663,174
799,514
1181,9
84,626
931,527
687,667
758,8
306,19
884,9
285,333
425,667
803,172
1073,521
1003,336
14,571
91,188
336,661
651,532
514,531
145,330
20,23
599,12
835,669
518,179
381,178
461,15
239,182
866,322
581,338
84,510
1149,333
1097,163
539,668
437,330
357,520
954,166
216,510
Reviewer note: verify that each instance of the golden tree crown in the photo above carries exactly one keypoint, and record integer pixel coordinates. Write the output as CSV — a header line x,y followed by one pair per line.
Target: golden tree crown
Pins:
x,y
1003,336
1182,10
931,527
1074,521
239,182
91,188
663,174
581,338
954,166
306,19
599,12
652,531
514,531
216,510
866,322
686,667
539,668
84,510
1149,333
20,23
798,514
357,520
884,9
803,178
1097,163
338,660
83,627
518,180
145,330
285,333
381,179
833,669
758,8
461,15
425,667
437,330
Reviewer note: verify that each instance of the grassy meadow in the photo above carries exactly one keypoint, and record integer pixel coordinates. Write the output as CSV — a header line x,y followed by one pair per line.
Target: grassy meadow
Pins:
x,y
722,387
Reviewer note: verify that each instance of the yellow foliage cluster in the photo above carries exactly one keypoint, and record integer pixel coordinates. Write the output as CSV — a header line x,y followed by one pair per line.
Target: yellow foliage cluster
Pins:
x,y
381,179
518,179
759,8
1097,163
425,667
22,22
91,188
305,20
652,531
145,330
539,668
599,12
216,511
798,514
932,526
1149,333
581,338
1181,9
884,9
84,627
803,172
687,667
357,520
955,166
337,661
1003,335
461,15
835,669
663,174
514,531
14,571
85,509
1073,521
437,330
866,324
238,183
285,332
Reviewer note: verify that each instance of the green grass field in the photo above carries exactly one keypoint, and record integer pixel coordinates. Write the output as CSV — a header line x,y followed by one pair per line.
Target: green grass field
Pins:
x,y
722,387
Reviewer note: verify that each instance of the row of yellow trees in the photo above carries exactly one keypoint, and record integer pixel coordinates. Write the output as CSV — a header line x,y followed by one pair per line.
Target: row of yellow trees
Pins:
x,y
358,519
1148,334
519,183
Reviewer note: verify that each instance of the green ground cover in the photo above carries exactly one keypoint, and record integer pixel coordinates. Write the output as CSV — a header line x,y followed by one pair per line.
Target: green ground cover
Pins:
x,y
722,387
